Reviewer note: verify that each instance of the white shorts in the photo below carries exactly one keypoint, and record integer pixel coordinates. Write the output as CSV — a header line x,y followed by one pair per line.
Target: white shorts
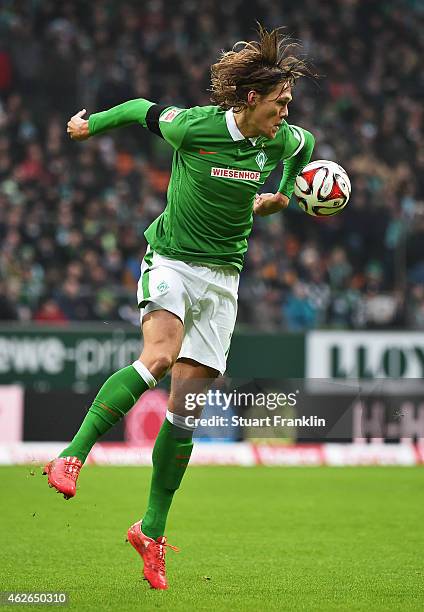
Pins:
x,y
204,297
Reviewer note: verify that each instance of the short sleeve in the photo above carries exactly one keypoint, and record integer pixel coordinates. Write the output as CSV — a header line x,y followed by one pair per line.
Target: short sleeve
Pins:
x,y
173,124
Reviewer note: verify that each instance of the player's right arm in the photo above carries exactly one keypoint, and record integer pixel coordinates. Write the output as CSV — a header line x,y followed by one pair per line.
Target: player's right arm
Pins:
x,y
77,127
168,122
133,111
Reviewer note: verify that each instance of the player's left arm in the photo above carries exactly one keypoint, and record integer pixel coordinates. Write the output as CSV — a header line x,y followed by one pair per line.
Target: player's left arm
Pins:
x,y
297,160
302,143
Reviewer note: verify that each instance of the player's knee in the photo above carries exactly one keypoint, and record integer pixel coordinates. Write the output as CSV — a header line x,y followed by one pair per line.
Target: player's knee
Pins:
x,y
161,363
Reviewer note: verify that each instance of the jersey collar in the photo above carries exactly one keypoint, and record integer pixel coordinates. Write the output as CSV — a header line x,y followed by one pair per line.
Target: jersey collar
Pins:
x,y
233,129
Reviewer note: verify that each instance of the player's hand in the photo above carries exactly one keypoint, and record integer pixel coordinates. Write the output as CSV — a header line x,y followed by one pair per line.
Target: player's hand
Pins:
x,y
78,127
269,203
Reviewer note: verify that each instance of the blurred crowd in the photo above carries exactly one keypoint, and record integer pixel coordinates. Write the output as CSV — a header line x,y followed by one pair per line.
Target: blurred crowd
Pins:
x,y
72,215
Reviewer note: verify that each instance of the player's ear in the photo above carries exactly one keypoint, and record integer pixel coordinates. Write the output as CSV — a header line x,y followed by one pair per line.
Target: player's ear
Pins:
x,y
252,97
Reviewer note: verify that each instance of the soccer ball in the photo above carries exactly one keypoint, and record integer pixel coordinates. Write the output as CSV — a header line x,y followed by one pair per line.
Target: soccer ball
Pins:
x,y
322,188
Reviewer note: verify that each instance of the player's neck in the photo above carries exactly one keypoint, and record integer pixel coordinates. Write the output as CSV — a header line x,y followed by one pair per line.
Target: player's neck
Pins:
x,y
245,124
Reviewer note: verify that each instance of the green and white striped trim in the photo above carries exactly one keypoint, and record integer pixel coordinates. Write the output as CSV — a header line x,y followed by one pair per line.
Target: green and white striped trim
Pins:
x,y
179,421
145,374
148,258
298,132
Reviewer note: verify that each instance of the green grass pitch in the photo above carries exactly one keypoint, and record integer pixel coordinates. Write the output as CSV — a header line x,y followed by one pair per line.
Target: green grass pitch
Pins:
x,y
250,538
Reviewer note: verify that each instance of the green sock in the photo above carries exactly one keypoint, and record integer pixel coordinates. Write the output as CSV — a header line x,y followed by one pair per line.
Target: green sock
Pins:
x,y
171,455
118,394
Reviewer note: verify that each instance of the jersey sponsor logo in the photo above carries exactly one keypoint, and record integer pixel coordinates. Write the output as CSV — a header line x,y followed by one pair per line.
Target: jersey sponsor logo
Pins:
x,y
261,159
239,175
203,152
170,114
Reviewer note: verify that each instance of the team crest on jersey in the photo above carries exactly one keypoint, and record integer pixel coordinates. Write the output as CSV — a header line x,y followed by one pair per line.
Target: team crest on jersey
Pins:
x,y
163,286
261,159
170,114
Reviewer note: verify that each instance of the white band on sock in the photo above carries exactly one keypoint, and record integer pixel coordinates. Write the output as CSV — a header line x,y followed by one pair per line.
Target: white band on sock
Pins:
x,y
179,421
145,374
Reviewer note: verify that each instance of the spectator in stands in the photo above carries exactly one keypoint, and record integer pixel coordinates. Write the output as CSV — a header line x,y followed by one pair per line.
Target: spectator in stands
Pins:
x,y
72,218
299,311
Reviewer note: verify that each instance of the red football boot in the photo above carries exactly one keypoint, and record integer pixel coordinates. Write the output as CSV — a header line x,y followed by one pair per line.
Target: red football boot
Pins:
x,y
153,554
63,473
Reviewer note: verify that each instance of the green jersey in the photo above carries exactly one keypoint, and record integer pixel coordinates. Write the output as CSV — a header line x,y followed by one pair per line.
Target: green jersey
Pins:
x,y
216,173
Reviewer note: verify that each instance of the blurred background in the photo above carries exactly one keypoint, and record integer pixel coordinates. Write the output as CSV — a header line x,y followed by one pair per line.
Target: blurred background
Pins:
x,y
72,216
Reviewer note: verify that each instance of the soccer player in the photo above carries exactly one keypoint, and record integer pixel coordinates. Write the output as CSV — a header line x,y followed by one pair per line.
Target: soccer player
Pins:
x,y
187,291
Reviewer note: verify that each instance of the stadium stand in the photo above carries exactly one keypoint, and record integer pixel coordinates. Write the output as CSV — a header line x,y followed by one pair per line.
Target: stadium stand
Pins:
x,y
72,215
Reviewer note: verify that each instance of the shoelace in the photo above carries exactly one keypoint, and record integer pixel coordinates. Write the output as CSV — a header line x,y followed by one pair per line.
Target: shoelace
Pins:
x,y
159,563
72,468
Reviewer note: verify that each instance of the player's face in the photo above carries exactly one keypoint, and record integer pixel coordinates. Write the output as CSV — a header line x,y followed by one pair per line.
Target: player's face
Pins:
x,y
271,109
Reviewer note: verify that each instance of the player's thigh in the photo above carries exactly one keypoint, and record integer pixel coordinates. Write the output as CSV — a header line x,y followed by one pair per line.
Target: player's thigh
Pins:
x,y
189,377
163,333
163,301
209,328
162,284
